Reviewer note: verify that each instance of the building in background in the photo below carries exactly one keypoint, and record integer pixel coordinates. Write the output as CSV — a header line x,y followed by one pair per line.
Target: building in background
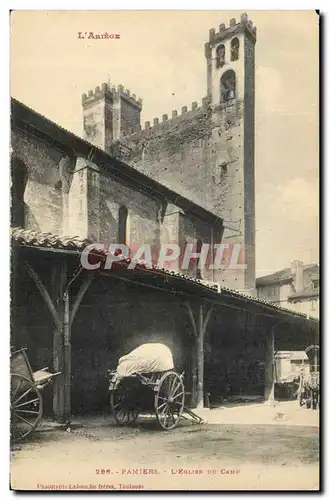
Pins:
x,y
296,288
290,364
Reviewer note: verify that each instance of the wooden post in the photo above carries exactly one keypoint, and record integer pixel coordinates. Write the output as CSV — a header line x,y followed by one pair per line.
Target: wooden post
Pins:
x,y
269,367
55,307
193,356
315,369
200,359
199,329
59,279
81,293
59,308
67,359
194,377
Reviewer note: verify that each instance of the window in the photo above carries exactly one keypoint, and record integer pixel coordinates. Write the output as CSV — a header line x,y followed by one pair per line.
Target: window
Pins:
x,y
227,86
235,49
18,184
220,56
316,285
123,220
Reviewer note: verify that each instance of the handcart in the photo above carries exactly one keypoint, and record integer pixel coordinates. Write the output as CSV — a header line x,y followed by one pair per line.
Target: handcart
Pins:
x,y
146,382
25,395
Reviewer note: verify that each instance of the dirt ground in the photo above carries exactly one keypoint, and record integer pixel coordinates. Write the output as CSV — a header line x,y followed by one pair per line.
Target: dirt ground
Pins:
x,y
98,455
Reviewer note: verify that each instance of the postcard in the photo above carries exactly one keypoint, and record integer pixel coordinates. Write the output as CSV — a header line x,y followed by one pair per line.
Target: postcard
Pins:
x,y
165,275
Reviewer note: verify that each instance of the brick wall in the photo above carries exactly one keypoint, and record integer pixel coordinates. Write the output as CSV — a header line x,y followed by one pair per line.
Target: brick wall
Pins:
x,y
174,152
94,123
130,116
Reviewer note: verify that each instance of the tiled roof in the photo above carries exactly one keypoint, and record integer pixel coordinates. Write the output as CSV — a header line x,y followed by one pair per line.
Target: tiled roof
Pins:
x,y
307,292
315,275
286,274
277,277
234,293
292,355
31,238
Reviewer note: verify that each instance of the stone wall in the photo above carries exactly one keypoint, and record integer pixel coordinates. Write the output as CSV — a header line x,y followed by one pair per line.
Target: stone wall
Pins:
x,y
43,196
143,221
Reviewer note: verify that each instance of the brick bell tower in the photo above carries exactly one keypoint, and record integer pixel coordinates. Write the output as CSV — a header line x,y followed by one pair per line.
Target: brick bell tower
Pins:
x,y
109,112
230,56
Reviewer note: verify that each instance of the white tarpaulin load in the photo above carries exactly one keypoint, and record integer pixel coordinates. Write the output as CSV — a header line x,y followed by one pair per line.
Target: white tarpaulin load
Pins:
x,y
146,358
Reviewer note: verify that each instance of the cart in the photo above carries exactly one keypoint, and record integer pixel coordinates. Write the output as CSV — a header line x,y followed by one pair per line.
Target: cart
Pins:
x,y
309,385
26,404
136,389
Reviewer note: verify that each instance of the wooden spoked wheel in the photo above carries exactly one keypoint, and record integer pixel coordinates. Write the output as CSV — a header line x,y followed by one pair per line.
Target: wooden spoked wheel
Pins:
x,y
25,408
122,405
169,400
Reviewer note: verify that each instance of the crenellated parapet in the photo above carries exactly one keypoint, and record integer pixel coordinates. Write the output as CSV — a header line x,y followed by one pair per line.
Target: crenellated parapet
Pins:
x,y
244,26
167,122
111,92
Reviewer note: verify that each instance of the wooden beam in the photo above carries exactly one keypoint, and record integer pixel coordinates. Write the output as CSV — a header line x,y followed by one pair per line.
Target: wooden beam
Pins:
x,y
82,290
45,295
219,302
206,321
50,249
191,315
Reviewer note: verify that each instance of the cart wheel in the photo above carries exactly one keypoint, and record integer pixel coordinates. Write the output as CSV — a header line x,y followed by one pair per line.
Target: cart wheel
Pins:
x,y
121,403
25,408
169,400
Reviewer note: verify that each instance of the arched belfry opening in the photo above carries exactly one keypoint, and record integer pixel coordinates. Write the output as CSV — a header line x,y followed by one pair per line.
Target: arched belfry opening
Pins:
x,y
19,177
228,86
220,56
235,45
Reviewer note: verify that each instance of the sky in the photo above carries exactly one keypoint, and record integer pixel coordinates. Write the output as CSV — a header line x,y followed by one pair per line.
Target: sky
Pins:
x,y
160,57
